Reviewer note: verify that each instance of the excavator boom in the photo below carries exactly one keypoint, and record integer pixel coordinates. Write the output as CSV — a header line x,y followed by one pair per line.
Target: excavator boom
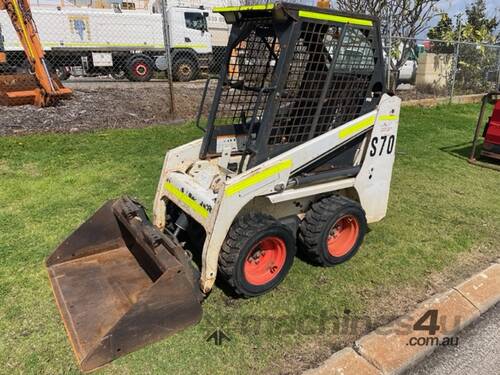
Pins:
x,y
39,87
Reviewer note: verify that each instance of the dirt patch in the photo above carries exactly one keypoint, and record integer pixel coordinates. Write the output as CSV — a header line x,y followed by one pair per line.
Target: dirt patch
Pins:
x,y
110,104
103,108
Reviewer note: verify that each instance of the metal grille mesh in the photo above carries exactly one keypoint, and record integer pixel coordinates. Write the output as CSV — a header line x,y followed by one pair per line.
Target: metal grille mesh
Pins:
x,y
350,82
306,79
317,48
251,67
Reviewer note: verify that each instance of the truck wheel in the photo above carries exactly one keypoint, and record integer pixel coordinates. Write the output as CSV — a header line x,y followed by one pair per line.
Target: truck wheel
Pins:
x,y
184,70
333,230
139,69
256,255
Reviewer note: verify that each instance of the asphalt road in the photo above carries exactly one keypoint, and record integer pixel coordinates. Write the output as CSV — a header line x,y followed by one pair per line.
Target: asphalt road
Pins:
x,y
477,353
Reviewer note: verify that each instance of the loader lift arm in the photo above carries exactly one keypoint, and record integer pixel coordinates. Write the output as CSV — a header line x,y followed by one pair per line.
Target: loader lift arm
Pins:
x,y
40,88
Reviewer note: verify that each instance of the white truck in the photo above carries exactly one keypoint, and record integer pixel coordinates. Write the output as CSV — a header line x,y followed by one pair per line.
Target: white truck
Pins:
x,y
123,43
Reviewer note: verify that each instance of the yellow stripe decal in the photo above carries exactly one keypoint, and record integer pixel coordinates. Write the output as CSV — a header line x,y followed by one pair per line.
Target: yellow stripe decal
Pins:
x,y
188,45
388,117
91,44
355,128
202,211
103,44
334,18
244,7
258,177
99,44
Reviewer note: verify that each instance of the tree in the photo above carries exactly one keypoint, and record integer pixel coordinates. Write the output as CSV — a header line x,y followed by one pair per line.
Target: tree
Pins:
x,y
478,28
405,19
476,16
442,31
474,60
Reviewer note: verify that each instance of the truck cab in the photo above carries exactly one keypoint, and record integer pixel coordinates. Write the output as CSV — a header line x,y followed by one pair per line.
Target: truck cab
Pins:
x,y
190,41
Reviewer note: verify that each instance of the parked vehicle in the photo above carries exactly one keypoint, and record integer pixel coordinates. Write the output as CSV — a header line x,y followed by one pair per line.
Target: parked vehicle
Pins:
x,y
123,43
408,71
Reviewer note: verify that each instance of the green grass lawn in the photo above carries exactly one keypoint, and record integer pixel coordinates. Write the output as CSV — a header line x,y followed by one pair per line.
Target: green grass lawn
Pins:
x,y
441,208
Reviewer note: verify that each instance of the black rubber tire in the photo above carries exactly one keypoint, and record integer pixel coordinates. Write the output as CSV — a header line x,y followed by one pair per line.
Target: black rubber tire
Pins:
x,y
139,69
184,70
243,235
318,222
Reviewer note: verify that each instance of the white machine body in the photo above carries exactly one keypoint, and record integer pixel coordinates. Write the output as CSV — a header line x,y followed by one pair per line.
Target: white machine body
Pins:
x,y
214,196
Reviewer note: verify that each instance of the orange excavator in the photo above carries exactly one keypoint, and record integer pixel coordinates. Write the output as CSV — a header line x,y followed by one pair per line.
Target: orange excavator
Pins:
x,y
38,87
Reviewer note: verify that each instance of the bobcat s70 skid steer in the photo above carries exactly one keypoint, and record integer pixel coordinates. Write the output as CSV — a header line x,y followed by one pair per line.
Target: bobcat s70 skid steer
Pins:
x,y
298,150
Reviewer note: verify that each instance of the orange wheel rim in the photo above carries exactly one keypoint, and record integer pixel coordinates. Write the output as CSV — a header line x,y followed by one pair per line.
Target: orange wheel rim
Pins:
x,y
265,261
342,236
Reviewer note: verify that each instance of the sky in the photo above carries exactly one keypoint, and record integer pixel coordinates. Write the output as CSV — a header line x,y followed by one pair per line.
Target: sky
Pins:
x,y
455,6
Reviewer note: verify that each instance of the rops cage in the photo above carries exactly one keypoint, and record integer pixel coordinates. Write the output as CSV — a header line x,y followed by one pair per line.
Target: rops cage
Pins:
x,y
291,73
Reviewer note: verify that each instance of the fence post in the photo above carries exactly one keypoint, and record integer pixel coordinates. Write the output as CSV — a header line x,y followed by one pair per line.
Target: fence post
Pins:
x,y
456,57
389,49
168,56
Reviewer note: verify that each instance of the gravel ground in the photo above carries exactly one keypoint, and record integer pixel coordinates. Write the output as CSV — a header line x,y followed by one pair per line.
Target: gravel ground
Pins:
x,y
98,104
103,108
478,351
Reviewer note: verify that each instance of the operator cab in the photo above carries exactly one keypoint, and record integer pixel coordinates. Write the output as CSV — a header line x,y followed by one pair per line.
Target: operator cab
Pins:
x,y
299,72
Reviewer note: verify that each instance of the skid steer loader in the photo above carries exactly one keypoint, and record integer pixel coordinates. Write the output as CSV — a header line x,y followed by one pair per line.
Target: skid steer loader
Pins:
x,y
298,151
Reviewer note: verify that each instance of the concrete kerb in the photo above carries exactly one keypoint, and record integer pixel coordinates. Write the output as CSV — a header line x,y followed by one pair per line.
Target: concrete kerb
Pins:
x,y
394,348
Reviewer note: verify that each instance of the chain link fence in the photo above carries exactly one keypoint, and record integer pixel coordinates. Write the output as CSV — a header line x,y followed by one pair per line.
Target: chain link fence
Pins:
x,y
184,41
123,40
438,68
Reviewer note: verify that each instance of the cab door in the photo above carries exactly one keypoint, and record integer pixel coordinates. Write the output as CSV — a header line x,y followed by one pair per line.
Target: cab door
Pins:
x,y
195,31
